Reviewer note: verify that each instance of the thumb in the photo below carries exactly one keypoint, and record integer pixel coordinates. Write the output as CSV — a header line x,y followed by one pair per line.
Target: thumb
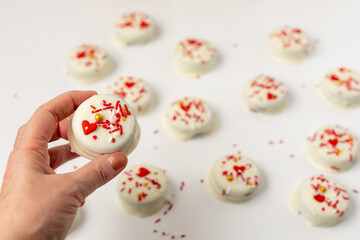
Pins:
x,y
98,172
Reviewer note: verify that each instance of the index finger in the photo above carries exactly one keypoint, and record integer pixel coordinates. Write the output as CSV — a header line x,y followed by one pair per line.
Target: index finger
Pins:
x,y
43,123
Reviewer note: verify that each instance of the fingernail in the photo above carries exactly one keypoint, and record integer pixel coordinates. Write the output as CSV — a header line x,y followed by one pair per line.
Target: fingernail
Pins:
x,y
117,160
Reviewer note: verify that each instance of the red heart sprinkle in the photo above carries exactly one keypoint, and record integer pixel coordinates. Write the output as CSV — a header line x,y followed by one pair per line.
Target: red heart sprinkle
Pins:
x,y
185,108
271,96
88,127
143,172
333,142
319,198
239,169
129,84
144,24
334,78
81,54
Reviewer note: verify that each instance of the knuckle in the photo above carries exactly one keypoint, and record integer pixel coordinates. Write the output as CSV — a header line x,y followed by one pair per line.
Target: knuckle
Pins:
x,y
100,174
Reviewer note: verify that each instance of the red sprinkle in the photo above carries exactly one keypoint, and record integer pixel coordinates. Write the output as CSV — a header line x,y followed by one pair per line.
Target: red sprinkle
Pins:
x,y
182,185
157,220
355,191
201,180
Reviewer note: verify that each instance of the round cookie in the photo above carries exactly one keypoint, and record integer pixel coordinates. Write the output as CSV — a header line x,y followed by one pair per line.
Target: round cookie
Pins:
x,y
133,28
103,124
332,149
322,200
193,58
233,178
134,91
288,44
188,117
142,190
341,87
265,94
88,63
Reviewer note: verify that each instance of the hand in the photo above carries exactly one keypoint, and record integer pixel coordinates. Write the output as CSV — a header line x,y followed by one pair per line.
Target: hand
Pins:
x,y
36,203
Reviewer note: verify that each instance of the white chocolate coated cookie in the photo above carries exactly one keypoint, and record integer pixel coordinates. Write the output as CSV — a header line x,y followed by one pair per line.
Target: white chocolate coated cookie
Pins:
x,y
88,63
322,200
194,57
142,190
133,28
103,124
288,44
188,117
265,94
134,91
341,87
332,149
233,178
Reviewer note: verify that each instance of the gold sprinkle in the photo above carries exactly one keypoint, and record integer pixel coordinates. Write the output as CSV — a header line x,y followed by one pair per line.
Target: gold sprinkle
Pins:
x,y
249,183
338,151
341,82
99,117
230,177
180,102
139,194
146,184
123,119
235,159
91,55
322,189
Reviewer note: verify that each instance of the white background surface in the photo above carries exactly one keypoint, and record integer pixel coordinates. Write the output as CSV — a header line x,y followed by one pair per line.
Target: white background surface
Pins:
x,y
35,37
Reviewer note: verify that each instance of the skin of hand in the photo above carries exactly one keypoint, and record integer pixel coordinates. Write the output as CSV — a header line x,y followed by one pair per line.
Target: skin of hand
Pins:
x,y
35,202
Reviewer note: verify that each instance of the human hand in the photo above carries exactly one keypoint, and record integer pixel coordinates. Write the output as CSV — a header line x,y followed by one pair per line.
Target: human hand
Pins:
x,y
36,203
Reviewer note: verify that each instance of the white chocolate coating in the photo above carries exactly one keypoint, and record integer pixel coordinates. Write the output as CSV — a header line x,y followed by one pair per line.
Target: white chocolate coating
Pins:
x,y
265,94
193,58
233,178
188,117
288,44
88,63
134,91
142,190
341,87
133,28
118,130
332,149
322,200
